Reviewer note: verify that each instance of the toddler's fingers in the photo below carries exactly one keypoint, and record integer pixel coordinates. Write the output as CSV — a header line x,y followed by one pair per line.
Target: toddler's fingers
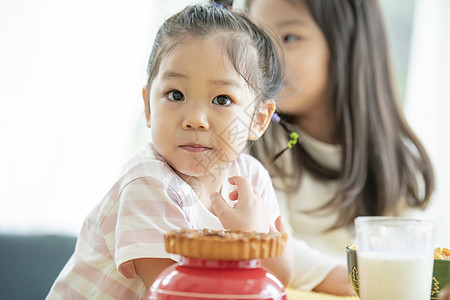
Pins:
x,y
234,195
219,205
279,225
244,188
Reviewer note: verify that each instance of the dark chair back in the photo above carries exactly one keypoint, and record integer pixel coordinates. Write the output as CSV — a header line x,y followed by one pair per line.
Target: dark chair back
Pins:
x,y
29,264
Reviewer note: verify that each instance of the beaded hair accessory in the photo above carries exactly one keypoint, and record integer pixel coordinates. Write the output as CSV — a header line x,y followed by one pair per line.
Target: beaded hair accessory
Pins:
x,y
227,4
294,137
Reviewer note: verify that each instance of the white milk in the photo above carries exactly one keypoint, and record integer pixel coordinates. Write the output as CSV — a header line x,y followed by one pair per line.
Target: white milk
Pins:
x,y
384,277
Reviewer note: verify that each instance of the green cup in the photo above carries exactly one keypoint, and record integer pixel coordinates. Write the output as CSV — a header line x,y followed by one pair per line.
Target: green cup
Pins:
x,y
441,274
352,269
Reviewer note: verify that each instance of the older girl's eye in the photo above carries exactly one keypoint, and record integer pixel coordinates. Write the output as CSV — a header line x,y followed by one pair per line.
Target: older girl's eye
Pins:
x,y
290,38
222,100
175,95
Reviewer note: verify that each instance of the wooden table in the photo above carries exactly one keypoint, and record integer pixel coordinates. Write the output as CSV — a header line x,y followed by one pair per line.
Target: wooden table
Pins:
x,y
293,294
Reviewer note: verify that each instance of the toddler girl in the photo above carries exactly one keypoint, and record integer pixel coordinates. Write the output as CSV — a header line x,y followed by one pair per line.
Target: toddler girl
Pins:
x,y
212,75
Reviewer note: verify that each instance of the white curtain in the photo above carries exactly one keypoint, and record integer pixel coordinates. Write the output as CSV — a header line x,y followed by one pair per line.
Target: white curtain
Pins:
x,y
428,99
71,111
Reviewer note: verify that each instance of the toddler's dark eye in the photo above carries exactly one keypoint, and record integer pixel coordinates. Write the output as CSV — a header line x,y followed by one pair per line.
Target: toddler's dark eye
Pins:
x,y
289,38
222,100
175,95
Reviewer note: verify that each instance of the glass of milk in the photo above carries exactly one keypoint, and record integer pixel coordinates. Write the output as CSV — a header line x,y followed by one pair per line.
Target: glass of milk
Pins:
x,y
395,258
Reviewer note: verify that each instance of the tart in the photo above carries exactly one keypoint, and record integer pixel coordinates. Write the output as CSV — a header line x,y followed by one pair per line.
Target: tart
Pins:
x,y
224,244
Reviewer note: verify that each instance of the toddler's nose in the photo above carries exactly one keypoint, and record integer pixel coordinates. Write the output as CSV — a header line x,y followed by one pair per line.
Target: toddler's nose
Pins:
x,y
195,119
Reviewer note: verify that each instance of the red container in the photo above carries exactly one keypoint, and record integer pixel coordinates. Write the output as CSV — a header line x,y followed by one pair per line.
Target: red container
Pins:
x,y
194,278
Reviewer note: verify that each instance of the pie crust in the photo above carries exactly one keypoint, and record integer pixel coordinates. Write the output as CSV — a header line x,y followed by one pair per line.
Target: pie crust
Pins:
x,y
224,244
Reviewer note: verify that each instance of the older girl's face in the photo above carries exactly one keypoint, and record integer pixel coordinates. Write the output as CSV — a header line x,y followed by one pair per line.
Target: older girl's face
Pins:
x,y
306,55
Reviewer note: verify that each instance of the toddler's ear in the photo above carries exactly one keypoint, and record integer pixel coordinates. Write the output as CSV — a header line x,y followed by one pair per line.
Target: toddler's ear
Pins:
x,y
147,105
262,119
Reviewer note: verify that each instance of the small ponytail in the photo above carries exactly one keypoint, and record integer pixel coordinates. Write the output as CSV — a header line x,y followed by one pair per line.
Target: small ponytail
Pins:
x,y
226,4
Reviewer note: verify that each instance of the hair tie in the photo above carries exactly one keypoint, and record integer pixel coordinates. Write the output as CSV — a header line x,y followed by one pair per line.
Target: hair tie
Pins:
x,y
293,140
294,136
226,4
276,118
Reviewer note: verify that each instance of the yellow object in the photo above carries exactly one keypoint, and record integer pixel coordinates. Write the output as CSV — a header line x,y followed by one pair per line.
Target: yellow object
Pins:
x,y
443,253
293,140
293,294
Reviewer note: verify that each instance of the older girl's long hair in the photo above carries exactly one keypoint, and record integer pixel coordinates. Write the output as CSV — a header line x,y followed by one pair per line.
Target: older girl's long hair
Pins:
x,y
383,161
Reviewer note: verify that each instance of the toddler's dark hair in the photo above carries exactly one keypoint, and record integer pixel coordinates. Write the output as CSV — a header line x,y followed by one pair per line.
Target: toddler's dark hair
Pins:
x,y
251,51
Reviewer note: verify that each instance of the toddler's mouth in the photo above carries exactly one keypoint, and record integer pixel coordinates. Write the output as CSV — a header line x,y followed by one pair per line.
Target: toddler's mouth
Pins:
x,y
195,148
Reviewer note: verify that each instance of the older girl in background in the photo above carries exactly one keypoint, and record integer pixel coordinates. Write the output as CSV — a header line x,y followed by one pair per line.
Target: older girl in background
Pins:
x,y
356,153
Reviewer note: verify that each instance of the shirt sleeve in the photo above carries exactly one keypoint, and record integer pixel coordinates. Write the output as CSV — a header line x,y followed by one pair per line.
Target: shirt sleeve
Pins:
x,y
310,266
146,211
267,193
283,205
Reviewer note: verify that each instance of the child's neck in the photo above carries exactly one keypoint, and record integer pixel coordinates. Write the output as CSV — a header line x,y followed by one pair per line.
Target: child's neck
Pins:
x,y
204,186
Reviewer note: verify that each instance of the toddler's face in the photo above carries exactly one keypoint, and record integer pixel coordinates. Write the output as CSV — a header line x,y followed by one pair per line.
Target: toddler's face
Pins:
x,y
200,109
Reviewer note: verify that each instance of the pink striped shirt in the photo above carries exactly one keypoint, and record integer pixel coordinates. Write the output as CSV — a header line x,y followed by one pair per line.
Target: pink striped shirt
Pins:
x,y
148,200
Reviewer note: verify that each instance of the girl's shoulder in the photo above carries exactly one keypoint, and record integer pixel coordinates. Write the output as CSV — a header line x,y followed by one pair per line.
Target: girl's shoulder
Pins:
x,y
146,164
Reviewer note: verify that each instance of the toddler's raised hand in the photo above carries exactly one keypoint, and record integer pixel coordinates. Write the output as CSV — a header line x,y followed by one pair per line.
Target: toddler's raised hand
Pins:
x,y
249,213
